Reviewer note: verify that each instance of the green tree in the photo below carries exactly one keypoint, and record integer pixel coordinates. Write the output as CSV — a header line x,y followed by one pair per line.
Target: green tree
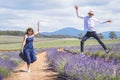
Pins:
x,y
112,35
101,35
80,35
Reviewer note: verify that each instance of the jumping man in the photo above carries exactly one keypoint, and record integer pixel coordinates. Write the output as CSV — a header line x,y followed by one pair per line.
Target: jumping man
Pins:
x,y
89,22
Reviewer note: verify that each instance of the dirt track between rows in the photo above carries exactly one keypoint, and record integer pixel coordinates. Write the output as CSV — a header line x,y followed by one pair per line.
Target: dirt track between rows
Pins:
x,y
39,70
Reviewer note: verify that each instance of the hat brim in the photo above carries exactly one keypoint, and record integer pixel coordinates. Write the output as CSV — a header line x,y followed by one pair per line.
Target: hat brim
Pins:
x,y
91,13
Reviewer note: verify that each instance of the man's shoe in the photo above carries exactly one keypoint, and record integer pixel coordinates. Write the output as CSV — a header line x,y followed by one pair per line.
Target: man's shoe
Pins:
x,y
107,51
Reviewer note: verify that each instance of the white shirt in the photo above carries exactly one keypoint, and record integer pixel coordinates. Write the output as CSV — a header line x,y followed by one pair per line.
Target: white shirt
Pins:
x,y
89,23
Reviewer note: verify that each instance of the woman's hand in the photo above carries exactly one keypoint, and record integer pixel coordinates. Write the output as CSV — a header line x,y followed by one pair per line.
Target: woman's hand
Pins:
x,y
38,31
38,23
38,26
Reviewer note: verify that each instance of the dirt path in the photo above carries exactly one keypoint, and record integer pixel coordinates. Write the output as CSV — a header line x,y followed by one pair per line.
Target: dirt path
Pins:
x,y
39,69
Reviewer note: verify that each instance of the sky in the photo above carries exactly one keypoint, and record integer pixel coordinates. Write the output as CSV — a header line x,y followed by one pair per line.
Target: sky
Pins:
x,y
57,14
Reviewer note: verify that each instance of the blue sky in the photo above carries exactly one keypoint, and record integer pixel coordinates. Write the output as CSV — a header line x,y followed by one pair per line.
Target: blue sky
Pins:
x,y
56,14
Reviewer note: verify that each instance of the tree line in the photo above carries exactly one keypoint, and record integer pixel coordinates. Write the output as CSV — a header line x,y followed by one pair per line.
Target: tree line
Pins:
x,y
112,35
12,33
21,33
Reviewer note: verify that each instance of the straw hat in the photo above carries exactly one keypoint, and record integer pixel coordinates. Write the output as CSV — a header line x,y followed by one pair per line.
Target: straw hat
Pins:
x,y
91,12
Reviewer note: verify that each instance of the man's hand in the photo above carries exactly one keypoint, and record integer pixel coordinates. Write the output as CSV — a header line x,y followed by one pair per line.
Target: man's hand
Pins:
x,y
76,7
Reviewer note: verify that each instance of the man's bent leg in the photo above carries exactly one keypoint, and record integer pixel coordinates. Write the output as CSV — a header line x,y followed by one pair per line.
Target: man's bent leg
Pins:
x,y
87,35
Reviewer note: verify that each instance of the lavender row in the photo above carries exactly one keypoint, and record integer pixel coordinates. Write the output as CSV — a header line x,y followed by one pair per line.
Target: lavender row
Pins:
x,y
93,48
97,51
80,67
9,60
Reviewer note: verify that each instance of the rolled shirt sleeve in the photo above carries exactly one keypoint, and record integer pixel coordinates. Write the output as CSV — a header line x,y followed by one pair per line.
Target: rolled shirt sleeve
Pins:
x,y
99,21
82,16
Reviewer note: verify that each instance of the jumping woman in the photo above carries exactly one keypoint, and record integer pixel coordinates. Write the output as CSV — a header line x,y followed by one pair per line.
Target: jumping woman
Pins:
x,y
27,46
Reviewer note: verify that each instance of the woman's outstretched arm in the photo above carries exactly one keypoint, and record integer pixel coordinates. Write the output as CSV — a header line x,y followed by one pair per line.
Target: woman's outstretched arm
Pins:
x,y
38,31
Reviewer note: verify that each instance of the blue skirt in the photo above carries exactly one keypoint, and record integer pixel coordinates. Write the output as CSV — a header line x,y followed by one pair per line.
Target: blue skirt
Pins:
x,y
29,55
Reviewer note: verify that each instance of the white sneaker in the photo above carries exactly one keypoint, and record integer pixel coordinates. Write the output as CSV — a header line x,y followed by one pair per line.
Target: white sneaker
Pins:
x,y
29,71
82,54
107,51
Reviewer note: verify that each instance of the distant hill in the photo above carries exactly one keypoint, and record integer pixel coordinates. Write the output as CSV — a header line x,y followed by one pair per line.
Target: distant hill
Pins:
x,y
62,33
65,31
76,32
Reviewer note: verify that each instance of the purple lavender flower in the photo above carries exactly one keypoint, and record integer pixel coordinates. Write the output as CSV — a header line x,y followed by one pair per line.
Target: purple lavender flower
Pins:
x,y
1,77
79,67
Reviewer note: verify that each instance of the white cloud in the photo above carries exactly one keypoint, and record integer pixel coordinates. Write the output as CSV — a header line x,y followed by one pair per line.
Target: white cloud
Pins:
x,y
56,14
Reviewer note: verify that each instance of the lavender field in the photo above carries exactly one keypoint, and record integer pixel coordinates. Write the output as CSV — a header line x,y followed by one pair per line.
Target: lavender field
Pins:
x,y
9,61
71,65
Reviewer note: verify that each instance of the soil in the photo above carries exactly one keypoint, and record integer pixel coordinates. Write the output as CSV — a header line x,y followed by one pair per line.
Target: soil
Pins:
x,y
39,71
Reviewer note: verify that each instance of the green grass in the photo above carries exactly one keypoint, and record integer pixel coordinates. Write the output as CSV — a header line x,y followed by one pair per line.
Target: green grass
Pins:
x,y
14,43
10,39
17,62
4,72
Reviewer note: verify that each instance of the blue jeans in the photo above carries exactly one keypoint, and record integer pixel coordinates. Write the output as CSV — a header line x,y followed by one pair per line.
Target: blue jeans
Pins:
x,y
88,35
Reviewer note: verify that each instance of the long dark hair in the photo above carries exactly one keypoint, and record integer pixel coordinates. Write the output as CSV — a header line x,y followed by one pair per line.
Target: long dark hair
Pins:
x,y
29,29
